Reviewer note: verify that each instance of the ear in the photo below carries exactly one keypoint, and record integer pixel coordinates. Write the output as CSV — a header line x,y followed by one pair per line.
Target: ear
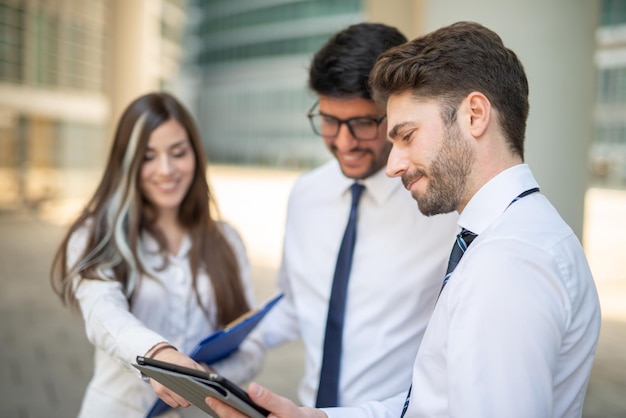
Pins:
x,y
478,111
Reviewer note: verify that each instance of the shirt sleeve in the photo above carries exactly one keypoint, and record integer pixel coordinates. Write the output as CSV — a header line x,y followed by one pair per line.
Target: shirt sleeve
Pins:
x,y
239,248
109,324
281,323
389,408
507,315
245,363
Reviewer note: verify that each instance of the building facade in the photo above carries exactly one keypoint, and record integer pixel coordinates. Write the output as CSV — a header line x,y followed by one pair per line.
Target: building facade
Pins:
x,y
52,83
249,59
245,76
67,68
608,151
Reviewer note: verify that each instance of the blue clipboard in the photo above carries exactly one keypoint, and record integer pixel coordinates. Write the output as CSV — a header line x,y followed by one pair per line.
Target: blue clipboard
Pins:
x,y
222,343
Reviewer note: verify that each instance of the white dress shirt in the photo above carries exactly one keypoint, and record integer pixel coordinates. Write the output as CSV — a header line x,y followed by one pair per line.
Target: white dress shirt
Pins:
x,y
515,329
164,309
398,267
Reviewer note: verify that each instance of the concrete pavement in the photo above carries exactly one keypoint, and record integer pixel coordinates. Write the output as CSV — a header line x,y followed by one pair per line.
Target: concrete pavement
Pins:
x,y
47,360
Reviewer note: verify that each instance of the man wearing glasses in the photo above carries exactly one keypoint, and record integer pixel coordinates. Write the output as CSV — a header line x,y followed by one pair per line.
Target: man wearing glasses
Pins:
x,y
399,256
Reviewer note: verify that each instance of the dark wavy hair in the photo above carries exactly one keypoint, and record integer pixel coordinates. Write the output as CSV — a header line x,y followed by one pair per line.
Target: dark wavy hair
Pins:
x,y
452,62
341,67
117,213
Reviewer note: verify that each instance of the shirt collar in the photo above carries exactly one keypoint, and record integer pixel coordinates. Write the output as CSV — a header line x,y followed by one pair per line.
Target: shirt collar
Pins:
x,y
495,196
185,247
378,185
152,247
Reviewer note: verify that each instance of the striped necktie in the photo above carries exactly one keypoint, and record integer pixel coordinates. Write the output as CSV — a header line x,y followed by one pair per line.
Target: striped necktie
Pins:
x,y
462,242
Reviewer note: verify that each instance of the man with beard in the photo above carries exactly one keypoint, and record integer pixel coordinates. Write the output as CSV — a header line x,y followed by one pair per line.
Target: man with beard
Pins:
x,y
399,257
514,331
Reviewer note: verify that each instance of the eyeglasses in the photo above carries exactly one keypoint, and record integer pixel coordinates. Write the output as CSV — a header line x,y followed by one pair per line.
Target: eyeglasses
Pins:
x,y
363,128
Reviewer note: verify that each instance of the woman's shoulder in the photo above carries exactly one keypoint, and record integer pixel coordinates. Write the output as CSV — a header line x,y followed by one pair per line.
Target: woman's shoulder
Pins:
x,y
79,233
78,240
233,237
228,230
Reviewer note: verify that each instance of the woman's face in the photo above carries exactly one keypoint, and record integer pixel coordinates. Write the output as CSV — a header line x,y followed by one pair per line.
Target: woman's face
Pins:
x,y
168,167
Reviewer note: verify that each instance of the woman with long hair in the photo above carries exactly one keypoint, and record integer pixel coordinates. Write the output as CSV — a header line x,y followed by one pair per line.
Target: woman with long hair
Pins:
x,y
151,269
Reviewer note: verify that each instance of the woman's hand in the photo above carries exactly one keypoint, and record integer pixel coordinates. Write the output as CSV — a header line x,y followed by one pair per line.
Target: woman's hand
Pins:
x,y
171,355
280,407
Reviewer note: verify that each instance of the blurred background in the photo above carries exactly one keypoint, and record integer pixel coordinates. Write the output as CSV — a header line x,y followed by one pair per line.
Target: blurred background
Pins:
x,y
69,67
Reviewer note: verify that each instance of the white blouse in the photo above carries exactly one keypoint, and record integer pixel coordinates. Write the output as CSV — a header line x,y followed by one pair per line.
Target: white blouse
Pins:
x,y
164,308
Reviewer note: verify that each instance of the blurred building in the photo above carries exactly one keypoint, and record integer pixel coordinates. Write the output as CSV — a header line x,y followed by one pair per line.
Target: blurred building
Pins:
x,y
246,71
67,68
608,152
245,75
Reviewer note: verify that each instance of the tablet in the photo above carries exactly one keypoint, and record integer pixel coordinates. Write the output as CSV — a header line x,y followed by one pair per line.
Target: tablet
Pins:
x,y
195,385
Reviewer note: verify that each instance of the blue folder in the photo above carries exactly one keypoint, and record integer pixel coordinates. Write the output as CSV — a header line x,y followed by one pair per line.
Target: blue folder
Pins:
x,y
222,343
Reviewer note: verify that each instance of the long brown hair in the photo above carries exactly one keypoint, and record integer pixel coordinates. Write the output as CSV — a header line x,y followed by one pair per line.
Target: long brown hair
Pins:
x,y
117,213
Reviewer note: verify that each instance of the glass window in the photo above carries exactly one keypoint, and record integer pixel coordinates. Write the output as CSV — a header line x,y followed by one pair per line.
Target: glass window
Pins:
x,y
11,42
613,12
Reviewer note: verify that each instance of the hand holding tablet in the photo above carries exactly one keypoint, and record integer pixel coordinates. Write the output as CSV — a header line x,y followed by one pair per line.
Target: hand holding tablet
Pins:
x,y
195,386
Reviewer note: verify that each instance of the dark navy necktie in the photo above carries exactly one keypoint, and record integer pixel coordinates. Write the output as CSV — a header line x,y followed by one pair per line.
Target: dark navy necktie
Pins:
x,y
327,394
